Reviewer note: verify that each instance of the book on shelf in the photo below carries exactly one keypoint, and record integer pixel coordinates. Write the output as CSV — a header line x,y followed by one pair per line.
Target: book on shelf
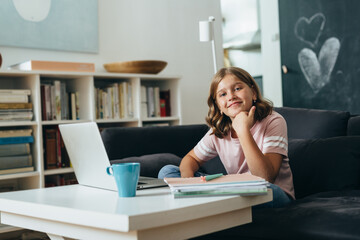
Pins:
x,y
144,110
55,153
77,105
16,132
16,91
162,108
17,170
165,94
57,99
54,66
60,180
16,115
50,148
16,105
56,102
232,184
150,101
14,149
16,140
8,162
157,101
14,98
130,103
114,101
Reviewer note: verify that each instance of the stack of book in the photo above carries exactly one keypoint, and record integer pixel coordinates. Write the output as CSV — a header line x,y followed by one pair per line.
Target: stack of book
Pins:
x,y
155,102
232,184
14,105
60,180
57,103
15,151
55,154
114,101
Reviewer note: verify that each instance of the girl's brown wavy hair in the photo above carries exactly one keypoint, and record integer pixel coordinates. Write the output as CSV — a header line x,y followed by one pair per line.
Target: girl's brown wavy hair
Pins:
x,y
220,123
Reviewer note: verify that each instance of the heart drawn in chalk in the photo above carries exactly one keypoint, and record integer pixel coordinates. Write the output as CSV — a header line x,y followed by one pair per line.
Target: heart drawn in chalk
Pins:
x,y
309,30
317,71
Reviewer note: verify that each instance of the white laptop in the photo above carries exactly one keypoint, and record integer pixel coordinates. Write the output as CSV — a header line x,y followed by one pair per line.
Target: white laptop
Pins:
x,y
89,158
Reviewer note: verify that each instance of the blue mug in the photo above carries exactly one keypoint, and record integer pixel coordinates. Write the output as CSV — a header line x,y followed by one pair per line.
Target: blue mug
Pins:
x,y
126,176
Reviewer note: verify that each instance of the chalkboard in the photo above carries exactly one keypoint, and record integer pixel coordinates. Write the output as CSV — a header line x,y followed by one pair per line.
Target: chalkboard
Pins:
x,y
320,46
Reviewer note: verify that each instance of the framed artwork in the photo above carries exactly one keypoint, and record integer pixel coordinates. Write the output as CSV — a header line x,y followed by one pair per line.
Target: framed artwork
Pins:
x,y
63,25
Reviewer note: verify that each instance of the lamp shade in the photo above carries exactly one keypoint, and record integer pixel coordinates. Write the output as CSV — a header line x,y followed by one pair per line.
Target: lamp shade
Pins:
x,y
206,31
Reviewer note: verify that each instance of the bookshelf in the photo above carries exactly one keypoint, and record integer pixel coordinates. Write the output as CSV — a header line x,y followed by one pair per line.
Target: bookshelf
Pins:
x,y
85,84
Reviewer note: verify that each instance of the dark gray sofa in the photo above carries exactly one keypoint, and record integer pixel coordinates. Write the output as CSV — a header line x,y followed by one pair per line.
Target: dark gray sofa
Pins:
x,y
324,153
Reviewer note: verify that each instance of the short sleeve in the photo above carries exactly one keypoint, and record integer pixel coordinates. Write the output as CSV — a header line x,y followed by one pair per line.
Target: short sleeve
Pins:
x,y
275,137
205,149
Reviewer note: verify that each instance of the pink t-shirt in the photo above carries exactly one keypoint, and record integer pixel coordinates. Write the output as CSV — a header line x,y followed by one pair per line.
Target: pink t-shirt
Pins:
x,y
271,137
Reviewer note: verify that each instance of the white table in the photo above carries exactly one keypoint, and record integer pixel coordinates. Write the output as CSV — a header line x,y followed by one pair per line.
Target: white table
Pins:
x,y
88,213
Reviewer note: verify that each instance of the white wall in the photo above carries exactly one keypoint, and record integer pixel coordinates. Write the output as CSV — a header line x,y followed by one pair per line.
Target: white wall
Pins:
x,y
157,29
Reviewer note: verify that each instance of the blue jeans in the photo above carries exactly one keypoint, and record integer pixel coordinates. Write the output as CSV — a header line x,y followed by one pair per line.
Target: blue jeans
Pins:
x,y
280,198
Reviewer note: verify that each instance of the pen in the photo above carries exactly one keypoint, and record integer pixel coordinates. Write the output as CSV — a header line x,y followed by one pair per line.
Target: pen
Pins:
x,y
210,177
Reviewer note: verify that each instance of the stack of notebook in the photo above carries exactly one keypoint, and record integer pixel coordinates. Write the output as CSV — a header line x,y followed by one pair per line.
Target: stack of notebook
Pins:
x,y
232,184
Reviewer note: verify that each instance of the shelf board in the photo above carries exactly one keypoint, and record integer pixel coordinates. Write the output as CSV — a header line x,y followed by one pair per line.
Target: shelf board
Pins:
x,y
58,171
160,119
122,120
90,74
19,175
56,122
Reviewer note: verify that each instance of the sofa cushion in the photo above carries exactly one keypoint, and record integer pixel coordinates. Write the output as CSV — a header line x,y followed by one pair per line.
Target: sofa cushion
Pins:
x,y
151,164
122,142
354,126
313,123
320,165
326,216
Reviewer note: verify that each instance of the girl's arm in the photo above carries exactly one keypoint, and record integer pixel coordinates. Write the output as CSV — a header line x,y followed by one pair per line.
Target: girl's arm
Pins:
x,y
265,165
189,164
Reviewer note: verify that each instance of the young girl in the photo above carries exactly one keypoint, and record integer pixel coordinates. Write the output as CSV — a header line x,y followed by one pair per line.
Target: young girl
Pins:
x,y
246,134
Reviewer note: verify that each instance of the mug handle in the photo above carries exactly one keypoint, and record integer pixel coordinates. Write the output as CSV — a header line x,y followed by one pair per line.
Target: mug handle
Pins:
x,y
108,171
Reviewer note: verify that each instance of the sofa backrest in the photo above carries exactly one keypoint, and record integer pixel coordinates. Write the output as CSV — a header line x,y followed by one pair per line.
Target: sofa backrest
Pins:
x,y
320,165
123,142
313,123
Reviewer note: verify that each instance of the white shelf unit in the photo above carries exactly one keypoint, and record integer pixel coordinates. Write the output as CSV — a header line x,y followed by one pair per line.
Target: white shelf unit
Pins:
x,y
85,84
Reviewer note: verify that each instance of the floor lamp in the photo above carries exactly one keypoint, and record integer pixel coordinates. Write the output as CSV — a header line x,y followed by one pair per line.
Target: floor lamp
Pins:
x,y
206,30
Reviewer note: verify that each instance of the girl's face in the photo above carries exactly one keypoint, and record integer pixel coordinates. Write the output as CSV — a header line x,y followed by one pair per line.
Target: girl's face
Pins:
x,y
234,96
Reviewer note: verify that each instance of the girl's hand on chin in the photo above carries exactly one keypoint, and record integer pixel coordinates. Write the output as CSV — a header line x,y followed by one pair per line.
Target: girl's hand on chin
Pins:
x,y
244,120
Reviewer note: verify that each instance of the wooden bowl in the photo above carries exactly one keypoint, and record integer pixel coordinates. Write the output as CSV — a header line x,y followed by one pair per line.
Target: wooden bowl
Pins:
x,y
146,66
